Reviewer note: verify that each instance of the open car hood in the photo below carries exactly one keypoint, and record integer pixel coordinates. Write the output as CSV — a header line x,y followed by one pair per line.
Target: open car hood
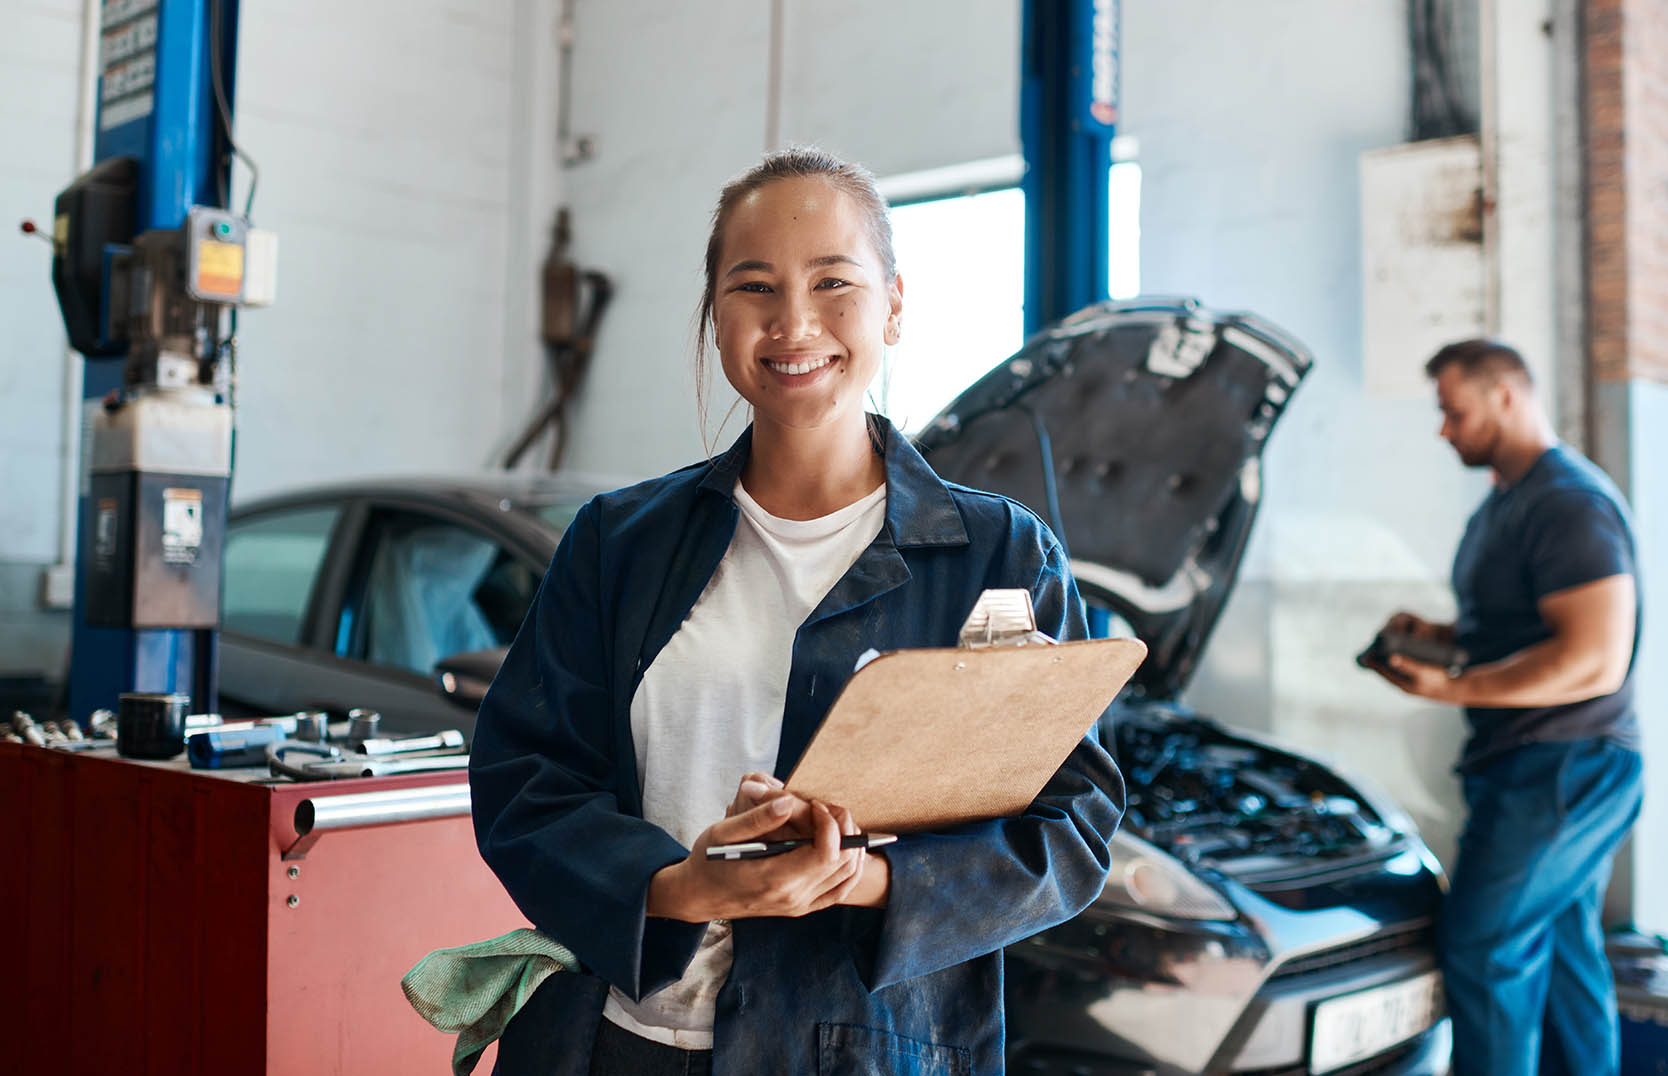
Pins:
x,y
1136,430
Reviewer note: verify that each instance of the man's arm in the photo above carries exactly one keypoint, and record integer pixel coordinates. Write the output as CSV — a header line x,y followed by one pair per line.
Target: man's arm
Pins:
x,y
1586,657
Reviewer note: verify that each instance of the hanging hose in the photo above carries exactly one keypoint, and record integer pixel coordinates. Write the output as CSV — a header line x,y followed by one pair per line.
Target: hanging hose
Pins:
x,y
569,338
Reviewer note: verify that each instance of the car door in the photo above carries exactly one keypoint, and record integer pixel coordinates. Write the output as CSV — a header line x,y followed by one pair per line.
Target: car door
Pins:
x,y
277,562
427,582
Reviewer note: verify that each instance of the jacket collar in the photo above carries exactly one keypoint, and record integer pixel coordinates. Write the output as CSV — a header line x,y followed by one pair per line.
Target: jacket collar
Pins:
x,y
919,508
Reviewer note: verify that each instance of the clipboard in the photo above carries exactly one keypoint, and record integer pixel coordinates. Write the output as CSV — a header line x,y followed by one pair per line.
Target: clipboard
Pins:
x,y
924,739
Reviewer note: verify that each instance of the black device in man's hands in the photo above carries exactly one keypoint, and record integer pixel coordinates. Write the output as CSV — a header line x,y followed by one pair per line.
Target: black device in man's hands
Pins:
x,y
1430,651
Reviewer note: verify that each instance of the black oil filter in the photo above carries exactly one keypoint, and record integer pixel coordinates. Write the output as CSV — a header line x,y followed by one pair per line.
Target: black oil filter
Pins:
x,y
151,726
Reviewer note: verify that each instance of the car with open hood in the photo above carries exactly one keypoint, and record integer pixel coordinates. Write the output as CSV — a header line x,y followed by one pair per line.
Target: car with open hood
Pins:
x,y
1265,915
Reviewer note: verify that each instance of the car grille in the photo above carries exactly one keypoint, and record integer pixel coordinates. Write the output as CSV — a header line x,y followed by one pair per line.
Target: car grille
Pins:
x,y
1415,937
1382,1063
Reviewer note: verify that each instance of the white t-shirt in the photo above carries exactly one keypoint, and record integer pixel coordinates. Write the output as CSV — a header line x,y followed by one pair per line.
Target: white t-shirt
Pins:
x,y
709,709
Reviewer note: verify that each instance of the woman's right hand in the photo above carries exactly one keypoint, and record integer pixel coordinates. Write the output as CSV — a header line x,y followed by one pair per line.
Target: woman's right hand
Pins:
x,y
805,880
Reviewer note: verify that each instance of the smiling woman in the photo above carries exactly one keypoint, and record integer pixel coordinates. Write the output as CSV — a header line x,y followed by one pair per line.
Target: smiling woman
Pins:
x,y
800,255
803,308
687,642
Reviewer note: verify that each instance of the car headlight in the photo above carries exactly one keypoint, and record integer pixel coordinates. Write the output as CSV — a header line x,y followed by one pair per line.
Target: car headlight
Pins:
x,y
1148,880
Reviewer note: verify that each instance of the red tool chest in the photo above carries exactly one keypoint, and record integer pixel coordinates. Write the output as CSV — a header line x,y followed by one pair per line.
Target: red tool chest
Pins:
x,y
150,924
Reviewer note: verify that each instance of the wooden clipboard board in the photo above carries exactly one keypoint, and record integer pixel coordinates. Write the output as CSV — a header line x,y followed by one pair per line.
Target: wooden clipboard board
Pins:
x,y
924,739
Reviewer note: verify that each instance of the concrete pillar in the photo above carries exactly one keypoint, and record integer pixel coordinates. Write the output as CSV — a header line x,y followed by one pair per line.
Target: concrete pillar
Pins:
x,y
1519,118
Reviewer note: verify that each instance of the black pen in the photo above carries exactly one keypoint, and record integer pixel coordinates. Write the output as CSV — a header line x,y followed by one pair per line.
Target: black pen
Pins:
x,y
761,849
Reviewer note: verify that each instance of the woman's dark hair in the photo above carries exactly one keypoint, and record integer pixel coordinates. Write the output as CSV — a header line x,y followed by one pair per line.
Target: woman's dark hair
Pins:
x,y
798,162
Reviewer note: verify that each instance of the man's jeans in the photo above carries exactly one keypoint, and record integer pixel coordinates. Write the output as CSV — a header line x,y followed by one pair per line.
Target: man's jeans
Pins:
x,y
1520,940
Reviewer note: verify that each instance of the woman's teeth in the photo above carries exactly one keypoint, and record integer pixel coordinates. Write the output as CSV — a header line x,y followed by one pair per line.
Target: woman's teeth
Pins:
x,y
798,367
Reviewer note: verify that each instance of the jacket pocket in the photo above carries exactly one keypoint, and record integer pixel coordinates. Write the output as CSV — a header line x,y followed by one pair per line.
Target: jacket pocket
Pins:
x,y
847,1050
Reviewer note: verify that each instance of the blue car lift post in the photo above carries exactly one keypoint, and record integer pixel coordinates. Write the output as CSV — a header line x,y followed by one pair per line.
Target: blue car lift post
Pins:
x,y
157,105
1068,113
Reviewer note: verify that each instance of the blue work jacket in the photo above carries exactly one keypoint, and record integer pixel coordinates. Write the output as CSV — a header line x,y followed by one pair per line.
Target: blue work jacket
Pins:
x,y
915,987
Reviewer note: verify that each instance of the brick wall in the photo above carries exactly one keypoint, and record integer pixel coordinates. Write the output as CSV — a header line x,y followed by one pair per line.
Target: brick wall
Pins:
x,y
1626,73
1646,80
1607,262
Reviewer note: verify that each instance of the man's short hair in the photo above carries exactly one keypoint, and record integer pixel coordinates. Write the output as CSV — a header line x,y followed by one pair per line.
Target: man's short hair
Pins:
x,y
1481,357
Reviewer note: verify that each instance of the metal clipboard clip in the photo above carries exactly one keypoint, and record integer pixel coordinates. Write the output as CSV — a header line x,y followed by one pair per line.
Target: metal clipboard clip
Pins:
x,y
1002,618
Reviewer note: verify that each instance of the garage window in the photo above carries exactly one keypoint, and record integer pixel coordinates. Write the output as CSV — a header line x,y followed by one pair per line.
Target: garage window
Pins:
x,y
962,257
271,563
963,265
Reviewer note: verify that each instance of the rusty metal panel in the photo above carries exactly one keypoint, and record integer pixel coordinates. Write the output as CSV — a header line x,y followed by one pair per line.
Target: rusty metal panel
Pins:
x,y
1423,269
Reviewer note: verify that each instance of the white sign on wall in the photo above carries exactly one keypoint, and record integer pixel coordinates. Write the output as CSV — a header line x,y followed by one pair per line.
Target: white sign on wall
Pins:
x,y
1423,272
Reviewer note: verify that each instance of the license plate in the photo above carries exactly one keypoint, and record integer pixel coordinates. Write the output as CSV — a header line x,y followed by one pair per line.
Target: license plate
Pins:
x,y
1357,1026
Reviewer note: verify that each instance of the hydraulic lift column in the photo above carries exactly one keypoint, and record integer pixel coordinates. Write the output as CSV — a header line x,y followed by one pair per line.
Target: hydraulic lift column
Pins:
x,y
149,267
1068,112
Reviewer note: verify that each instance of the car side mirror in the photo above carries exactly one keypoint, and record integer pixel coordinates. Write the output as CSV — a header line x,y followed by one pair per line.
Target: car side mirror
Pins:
x,y
464,678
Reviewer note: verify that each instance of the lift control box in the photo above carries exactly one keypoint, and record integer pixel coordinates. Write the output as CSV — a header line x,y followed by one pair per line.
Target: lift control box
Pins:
x,y
227,261
158,476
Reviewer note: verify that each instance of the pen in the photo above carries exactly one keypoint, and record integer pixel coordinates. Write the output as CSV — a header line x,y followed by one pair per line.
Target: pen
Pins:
x,y
761,849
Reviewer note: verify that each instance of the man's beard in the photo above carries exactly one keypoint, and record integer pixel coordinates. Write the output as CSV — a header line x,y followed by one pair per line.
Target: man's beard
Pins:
x,y
1473,459
1477,453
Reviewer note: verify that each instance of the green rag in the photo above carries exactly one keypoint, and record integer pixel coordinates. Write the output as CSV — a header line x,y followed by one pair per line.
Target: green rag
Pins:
x,y
474,990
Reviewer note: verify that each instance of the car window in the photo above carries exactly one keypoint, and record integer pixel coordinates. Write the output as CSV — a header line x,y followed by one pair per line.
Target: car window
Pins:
x,y
271,563
434,588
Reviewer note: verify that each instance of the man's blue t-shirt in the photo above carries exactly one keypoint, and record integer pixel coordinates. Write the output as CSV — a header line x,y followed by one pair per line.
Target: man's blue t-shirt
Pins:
x,y
1561,525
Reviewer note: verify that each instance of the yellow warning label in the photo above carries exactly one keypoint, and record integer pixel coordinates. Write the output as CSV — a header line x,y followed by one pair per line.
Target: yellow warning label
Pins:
x,y
219,268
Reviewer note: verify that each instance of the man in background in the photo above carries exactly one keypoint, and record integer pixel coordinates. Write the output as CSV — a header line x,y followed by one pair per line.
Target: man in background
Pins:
x,y
1548,614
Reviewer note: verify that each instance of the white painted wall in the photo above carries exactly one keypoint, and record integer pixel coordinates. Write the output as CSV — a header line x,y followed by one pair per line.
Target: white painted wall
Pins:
x,y
396,147
40,55
1524,103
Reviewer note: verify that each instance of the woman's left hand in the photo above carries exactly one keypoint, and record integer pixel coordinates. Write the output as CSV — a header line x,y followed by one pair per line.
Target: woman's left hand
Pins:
x,y
873,887
697,889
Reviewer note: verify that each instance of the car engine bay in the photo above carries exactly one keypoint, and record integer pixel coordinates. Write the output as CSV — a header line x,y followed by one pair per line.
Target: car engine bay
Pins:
x,y
1211,798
